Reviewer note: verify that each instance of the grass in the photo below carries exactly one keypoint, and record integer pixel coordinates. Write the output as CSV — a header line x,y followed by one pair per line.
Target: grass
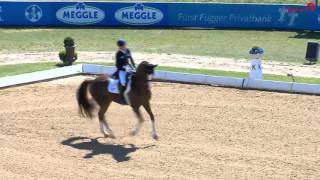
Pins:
x,y
9,70
279,45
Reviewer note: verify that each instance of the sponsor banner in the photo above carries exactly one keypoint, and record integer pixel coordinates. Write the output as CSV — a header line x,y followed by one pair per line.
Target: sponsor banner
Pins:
x,y
199,15
1,19
244,16
82,14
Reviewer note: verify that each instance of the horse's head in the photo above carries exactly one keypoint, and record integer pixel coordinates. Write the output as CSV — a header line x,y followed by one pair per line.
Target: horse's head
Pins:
x,y
146,69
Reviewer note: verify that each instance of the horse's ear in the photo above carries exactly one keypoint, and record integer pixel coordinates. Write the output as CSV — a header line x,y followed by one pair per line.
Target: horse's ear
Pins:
x,y
155,65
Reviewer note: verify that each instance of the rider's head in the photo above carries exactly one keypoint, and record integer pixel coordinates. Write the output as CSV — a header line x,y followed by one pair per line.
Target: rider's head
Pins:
x,y
122,44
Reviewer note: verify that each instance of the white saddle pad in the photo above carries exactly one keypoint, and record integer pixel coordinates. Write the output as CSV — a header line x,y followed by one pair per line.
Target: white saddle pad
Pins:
x,y
113,86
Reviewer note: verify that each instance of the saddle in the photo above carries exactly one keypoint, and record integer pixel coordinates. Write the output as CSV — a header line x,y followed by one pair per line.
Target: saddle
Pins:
x,y
114,83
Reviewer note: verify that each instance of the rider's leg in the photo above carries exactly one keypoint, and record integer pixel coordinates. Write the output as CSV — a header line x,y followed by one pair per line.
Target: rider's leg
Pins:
x,y
123,78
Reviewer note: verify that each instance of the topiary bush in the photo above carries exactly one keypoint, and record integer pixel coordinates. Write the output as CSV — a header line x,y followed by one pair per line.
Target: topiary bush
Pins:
x,y
68,42
63,56
69,55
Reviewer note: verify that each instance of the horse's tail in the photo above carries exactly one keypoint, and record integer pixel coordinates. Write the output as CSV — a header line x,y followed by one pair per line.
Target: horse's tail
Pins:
x,y
85,107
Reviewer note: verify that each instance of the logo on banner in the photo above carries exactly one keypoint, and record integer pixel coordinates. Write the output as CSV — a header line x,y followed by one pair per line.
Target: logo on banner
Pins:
x,y
33,13
139,14
80,14
290,14
287,17
310,7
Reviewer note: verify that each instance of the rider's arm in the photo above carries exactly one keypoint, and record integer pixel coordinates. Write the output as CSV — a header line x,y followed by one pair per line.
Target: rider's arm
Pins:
x,y
131,59
119,61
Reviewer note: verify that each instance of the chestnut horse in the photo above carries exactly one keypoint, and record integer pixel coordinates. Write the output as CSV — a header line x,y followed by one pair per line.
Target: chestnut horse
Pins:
x,y
137,94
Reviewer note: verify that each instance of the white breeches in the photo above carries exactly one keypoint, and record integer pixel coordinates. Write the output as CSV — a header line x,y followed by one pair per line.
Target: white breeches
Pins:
x,y
123,77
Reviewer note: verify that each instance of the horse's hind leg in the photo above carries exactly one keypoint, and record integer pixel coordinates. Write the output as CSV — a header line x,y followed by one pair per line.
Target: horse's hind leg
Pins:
x,y
140,121
103,123
149,111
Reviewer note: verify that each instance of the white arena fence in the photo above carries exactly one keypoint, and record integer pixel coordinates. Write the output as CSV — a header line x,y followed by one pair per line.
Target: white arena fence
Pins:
x,y
241,83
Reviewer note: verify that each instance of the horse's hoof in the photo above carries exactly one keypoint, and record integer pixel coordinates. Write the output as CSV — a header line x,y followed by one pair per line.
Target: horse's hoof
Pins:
x,y
109,136
112,136
155,136
133,133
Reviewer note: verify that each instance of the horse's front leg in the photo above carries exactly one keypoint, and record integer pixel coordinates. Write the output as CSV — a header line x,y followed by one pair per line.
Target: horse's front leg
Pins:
x,y
153,125
137,111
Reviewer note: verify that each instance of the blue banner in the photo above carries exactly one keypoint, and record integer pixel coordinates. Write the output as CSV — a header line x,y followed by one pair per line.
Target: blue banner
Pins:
x,y
198,15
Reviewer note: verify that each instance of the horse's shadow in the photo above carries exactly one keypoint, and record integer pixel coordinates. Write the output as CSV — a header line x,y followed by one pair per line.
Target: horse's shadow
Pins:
x,y
118,152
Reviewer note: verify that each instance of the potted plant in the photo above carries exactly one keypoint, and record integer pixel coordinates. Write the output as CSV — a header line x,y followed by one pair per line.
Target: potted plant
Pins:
x,y
69,55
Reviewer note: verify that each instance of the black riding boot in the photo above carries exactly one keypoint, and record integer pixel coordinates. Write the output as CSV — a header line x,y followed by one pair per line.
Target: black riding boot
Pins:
x,y
122,100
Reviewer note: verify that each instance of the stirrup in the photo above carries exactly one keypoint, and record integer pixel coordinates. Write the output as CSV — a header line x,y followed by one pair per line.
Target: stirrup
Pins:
x,y
123,102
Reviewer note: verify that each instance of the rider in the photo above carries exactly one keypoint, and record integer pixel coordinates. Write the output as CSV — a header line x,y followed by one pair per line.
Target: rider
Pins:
x,y
123,56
